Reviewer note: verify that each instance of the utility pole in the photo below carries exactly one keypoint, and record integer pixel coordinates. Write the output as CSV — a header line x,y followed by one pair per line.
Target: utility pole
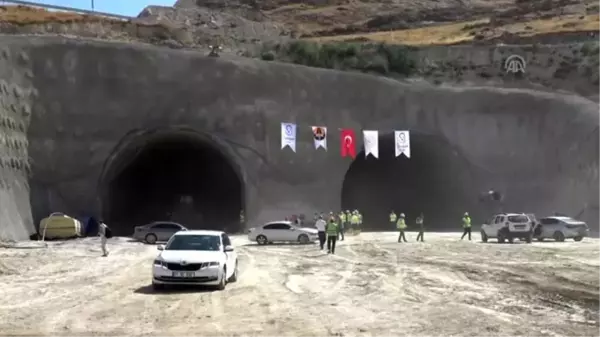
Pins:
x,y
92,5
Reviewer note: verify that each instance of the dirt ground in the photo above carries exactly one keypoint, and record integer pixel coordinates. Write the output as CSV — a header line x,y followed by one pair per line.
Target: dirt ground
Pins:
x,y
372,286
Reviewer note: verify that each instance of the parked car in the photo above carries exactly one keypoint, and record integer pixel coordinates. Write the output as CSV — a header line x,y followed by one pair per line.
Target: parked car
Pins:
x,y
282,231
196,257
508,226
560,228
157,231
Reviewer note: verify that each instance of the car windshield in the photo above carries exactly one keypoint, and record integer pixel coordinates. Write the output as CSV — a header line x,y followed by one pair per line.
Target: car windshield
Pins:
x,y
522,218
194,242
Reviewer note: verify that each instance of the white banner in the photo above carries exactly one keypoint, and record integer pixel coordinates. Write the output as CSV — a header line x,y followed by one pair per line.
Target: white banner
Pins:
x,y
320,137
288,136
402,143
371,139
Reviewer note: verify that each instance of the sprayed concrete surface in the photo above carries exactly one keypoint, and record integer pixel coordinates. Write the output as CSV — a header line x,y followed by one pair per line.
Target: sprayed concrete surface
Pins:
x,y
372,286
91,105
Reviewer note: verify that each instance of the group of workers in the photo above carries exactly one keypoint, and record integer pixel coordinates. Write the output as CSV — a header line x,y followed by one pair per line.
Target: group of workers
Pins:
x,y
335,226
400,222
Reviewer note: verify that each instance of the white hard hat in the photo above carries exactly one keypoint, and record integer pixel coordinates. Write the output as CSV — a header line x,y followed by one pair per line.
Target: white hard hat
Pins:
x,y
466,213
402,215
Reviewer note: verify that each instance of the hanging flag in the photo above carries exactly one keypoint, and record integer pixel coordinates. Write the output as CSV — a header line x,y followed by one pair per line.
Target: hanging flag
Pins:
x,y
371,140
288,136
320,136
402,143
348,143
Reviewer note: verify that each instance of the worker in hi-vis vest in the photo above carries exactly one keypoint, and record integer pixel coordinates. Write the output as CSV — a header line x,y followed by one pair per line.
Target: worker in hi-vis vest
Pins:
x,y
393,218
354,221
332,233
401,225
242,217
466,220
360,220
421,226
342,224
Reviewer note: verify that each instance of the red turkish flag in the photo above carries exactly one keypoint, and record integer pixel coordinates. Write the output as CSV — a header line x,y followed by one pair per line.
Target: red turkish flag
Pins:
x,y
348,143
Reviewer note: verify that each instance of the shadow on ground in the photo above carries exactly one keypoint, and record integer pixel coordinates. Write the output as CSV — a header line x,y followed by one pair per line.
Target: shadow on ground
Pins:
x,y
169,290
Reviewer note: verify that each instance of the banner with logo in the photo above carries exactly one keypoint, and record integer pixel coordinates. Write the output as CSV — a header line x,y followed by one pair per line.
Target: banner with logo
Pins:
x,y
371,140
402,143
288,136
320,137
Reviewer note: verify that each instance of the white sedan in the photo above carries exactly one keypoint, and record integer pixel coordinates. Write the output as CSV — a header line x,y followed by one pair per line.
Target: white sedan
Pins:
x,y
196,257
282,231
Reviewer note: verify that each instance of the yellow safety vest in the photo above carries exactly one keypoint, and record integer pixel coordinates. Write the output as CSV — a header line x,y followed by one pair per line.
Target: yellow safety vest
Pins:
x,y
401,224
343,217
359,218
331,229
354,219
393,217
466,222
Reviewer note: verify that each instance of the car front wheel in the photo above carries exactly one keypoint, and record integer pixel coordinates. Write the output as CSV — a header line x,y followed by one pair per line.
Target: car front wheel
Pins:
x,y
261,240
303,239
484,237
578,238
222,280
151,239
234,276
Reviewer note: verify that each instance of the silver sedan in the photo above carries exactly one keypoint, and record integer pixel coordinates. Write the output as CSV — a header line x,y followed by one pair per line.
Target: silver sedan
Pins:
x,y
157,231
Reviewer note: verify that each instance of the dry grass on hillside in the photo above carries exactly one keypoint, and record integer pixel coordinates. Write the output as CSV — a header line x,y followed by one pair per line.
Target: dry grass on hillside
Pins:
x,y
467,31
24,15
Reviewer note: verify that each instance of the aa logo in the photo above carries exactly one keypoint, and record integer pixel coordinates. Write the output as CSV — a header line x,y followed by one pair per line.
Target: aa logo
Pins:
x,y
515,64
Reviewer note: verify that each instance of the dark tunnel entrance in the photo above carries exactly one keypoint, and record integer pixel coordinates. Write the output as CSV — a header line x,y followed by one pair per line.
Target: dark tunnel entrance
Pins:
x,y
436,180
175,177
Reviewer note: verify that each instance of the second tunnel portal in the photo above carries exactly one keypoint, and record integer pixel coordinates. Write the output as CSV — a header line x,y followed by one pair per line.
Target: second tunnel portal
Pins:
x,y
436,180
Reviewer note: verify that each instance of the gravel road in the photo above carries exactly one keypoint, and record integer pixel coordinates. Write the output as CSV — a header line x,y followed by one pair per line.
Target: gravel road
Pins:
x,y
372,286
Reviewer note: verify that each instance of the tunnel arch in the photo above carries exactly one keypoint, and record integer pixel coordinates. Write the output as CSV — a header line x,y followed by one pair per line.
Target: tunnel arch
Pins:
x,y
203,188
437,180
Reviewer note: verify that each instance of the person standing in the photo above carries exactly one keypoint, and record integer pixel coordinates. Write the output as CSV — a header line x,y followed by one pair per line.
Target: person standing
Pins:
x,y
401,225
466,220
102,231
348,217
321,224
421,226
342,224
393,218
354,222
332,233
360,220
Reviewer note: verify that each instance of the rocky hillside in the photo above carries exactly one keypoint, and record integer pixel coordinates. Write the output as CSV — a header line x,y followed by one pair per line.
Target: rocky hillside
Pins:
x,y
392,38
335,17
241,24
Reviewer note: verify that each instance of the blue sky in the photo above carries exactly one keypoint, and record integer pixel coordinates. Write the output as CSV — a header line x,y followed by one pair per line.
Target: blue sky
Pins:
x,y
123,7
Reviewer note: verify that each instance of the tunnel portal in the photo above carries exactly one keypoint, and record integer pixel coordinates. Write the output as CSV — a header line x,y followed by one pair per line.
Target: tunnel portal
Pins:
x,y
176,178
436,180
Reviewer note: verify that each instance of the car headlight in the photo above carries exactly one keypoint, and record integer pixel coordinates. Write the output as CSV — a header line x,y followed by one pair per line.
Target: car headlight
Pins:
x,y
160,263
212,264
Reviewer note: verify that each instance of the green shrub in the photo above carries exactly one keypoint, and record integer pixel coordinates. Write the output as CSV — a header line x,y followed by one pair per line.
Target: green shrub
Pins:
x,y
373,58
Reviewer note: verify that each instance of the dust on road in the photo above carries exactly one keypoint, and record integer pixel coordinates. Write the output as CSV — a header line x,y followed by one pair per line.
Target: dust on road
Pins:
x,y
372,286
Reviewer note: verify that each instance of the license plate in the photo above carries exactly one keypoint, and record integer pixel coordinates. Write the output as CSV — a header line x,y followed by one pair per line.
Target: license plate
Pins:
x,y
183,274
520,226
